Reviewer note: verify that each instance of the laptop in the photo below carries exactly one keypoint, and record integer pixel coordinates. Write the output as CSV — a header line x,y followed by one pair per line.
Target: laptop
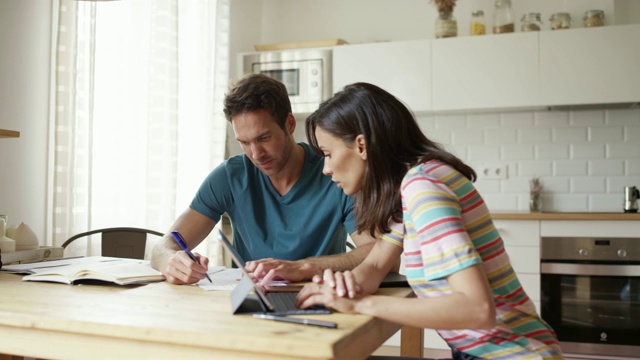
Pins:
x,y
249,298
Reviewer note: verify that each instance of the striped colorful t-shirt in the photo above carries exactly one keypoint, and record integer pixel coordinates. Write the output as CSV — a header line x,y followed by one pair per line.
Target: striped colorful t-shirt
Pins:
x,y
447,227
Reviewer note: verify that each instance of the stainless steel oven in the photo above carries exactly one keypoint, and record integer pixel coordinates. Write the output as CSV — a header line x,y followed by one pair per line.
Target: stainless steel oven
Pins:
x,y
590,292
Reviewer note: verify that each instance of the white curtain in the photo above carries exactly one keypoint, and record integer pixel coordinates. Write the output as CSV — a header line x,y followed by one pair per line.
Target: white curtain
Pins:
x,y
137,121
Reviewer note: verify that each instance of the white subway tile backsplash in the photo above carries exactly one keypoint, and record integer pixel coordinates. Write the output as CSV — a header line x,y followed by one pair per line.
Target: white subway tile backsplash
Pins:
x,y
555,185
622,150
587,118
575,168
551,119
622,117
570,135
606,167
606,202
483,121
451,122
500,136
488,186
584,158
443,137
588,185
520,120
498,202
517,152
516,185
483,153
632,133
587,151
536,135
537,168
605,134
552,151
467,136
632,167
616,185
565,202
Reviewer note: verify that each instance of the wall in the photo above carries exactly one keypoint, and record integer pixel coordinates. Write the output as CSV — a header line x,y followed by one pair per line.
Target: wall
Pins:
x,y
24,106
584,158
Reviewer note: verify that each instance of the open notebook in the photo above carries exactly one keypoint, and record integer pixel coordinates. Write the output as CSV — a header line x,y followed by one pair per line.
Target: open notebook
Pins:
x,y
248,297
92,269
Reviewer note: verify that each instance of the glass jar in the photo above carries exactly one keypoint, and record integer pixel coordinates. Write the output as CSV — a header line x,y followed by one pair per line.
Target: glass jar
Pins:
x,y
503,17
477,23
593,18
446,25
531,22
560,20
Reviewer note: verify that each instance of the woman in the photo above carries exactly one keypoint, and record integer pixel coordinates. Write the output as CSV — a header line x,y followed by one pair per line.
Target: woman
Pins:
x,y
420,200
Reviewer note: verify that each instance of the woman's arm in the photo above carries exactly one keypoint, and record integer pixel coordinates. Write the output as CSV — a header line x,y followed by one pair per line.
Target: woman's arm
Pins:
x,y
469,306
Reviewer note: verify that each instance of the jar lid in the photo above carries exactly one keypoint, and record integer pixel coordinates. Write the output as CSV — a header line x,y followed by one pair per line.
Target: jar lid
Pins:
x,y
561,15
478,13
593,13
531,16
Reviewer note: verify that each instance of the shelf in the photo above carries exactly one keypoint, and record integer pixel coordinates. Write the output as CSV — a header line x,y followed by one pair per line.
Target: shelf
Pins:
x,y
9,133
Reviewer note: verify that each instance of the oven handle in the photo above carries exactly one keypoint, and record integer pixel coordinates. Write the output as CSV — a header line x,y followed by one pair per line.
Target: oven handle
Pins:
x,y
589,269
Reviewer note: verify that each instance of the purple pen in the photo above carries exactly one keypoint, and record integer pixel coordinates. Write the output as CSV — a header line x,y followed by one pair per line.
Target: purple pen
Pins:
x,y
185,248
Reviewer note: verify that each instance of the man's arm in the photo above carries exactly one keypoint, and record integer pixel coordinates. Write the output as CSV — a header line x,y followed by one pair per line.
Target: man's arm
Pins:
x,y
167,256
305,269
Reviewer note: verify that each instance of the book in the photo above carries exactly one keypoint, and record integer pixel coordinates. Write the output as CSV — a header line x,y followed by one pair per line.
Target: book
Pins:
x,y
92,269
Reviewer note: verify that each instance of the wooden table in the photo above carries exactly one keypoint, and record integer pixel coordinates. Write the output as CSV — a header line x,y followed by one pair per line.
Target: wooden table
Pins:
x,y
165,321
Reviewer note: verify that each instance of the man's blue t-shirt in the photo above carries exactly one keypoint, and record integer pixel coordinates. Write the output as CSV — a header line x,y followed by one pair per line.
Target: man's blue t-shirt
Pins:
x,y
312,219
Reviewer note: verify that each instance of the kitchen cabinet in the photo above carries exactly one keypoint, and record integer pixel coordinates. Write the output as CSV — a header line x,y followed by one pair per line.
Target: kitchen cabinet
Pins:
x,y
521,239
516,71
590,65
483,72
402,68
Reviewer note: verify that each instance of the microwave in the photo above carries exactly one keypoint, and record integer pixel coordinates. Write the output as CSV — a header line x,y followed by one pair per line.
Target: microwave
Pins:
x,y
305,72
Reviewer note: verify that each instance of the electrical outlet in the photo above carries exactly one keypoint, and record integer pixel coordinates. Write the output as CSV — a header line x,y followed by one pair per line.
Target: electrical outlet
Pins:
x,y
493,171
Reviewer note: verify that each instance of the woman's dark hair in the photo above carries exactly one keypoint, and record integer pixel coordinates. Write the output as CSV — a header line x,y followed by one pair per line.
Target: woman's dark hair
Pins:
x,y
258,92
394,143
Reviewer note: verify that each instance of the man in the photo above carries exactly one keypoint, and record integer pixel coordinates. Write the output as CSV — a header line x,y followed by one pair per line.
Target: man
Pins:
x,y
289,220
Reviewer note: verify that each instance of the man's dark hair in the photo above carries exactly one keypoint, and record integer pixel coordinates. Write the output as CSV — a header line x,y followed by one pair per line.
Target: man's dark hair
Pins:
x,y
258,92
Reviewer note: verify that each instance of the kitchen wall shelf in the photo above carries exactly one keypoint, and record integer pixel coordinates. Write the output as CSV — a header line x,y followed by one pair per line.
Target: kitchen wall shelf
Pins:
x,y
9,134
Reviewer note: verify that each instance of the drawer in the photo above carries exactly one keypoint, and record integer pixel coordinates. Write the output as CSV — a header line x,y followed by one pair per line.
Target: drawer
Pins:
x,y
519,232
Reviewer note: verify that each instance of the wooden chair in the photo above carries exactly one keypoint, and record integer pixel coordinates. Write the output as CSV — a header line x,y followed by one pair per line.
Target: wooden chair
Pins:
x,y
123,242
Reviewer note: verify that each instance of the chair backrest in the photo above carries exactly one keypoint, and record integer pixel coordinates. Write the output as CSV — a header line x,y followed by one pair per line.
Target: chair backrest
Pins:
x,y
123,242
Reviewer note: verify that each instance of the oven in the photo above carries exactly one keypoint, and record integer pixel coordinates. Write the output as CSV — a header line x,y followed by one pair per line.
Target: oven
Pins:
x,y
590,294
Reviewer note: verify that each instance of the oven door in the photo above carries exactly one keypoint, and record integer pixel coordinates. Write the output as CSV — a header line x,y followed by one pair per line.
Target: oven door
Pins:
x,y
594,308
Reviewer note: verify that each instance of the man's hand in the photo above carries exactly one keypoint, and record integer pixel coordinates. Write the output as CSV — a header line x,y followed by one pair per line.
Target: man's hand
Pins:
x,y
182,270
273,269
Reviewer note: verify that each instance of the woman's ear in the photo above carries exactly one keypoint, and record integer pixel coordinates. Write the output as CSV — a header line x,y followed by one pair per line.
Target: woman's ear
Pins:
x,y
361,146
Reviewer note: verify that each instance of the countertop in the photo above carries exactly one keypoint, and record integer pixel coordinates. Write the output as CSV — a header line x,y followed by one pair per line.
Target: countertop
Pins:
x,y
526,215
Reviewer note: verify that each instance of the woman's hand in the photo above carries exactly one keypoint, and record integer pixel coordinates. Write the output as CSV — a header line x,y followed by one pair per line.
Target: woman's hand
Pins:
x,y
331,290
324,294
344,283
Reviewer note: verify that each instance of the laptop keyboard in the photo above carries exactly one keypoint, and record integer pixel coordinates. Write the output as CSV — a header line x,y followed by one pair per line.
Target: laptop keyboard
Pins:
x,y
285,302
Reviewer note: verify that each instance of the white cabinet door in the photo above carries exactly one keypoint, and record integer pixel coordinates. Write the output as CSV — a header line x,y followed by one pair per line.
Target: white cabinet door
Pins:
x,y
521,240
402,68
590,65
483,72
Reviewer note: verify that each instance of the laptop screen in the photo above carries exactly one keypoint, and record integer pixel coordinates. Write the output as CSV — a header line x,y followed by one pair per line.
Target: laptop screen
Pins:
x,y
237,259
